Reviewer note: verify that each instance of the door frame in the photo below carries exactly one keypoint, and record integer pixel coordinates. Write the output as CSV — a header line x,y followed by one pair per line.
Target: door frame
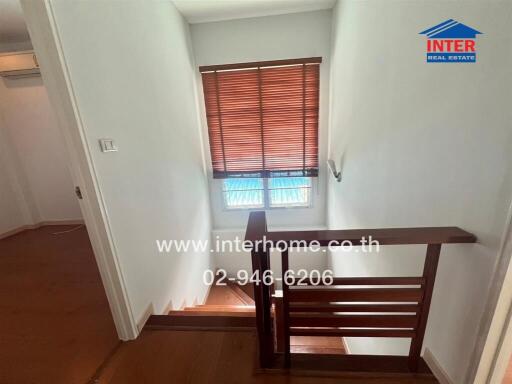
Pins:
x,y
497,342
45,38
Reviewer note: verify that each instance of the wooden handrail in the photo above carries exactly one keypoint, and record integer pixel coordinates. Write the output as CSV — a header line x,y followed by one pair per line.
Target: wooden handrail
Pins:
x,y
368,281
385,236
256,227
318,310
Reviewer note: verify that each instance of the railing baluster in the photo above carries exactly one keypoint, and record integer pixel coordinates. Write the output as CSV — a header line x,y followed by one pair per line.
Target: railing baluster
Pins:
x,y
286,308
429,274
267,309
256,231
259,302
278,323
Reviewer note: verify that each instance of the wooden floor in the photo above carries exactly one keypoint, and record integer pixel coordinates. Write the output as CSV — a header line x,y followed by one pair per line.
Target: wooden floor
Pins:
x,y
508,375
208,357
320,345
55,322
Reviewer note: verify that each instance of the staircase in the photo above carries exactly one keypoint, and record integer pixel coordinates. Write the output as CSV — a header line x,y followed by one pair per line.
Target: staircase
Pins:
x,y
227,308
300,329
216,310
223,300
233,300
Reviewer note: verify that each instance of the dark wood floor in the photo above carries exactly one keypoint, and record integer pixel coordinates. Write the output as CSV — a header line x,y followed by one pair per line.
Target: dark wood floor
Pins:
x,y
208,357
55,322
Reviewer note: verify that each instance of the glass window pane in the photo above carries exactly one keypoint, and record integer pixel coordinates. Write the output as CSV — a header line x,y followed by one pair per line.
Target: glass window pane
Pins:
x,y
243,193
289,182
289,191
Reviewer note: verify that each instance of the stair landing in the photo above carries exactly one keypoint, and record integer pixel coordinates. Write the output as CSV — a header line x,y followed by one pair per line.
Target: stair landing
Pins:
x,y
226,308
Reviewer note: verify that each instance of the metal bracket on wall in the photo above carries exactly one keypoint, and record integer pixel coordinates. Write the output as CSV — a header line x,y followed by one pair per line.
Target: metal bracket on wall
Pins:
x,y
332,167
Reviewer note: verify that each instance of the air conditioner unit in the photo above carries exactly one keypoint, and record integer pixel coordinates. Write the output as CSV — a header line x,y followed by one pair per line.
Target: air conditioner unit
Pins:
x,y
19,64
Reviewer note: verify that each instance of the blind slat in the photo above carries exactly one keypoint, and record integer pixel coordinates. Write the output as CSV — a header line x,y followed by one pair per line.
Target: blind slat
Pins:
x,y
263,122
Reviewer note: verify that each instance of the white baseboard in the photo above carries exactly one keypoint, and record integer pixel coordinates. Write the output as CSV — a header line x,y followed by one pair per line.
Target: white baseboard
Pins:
x,y
60,222
170,307
436,368
15,231
207,293
145,316
22,228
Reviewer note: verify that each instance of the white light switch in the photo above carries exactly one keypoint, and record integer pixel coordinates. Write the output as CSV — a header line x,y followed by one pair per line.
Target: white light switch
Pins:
x,y
107,145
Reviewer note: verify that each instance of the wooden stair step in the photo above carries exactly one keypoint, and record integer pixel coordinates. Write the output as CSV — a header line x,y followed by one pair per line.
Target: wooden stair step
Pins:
x,y
186,322
331,342
316,349
191,312
218,308
243,292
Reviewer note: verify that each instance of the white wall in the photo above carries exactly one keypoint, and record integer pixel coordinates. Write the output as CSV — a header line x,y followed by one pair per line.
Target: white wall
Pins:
x,y
133,75
268,38
37,151
423,145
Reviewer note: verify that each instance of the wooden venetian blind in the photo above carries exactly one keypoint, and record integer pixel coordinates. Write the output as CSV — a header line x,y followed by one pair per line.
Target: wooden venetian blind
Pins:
x,y
263,118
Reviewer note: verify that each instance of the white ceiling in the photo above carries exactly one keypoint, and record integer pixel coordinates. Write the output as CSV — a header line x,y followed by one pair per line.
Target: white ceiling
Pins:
x,y
13,29
12,25
202,11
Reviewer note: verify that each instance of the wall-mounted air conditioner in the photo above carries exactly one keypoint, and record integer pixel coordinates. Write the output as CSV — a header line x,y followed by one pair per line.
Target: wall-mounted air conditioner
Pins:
x,y
19,64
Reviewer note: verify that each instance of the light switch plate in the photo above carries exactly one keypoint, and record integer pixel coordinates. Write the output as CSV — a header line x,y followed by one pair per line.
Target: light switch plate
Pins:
x,y
108,145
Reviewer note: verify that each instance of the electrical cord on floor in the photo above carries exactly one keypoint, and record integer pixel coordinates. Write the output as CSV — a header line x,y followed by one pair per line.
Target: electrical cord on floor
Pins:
x,y
68,230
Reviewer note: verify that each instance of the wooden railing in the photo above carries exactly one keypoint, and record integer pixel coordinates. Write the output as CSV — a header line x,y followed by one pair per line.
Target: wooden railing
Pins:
x,y
351,307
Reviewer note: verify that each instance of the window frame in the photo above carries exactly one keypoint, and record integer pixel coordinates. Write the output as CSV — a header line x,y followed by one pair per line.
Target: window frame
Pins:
x,y
266,197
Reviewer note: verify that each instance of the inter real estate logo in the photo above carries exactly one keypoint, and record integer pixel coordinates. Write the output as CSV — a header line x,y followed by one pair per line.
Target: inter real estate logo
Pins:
x,y
451,42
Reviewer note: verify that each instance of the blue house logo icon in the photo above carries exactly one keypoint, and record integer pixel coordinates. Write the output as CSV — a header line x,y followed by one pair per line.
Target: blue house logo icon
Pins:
x,y
451,42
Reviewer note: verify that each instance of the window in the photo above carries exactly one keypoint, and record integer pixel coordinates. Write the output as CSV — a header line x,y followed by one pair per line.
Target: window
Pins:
x,y
276,192
263,130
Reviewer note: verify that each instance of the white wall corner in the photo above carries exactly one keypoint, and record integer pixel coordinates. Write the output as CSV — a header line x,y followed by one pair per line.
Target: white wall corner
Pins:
x,y
436,367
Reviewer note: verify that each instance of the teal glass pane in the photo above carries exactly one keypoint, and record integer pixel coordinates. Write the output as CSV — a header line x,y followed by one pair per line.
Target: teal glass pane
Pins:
x,y
243,193
289,191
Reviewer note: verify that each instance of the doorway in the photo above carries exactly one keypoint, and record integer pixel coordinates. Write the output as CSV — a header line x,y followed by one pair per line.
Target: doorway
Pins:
x,y
57,326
